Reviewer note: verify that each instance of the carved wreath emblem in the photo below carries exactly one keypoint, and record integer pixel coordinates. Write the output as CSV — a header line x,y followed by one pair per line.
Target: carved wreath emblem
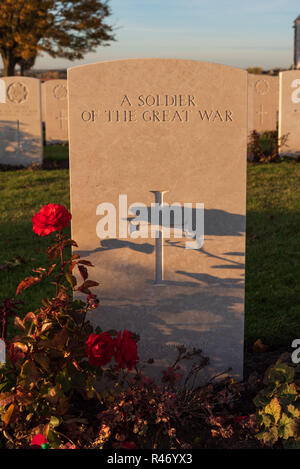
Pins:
x,y
60,92
17,92
262,87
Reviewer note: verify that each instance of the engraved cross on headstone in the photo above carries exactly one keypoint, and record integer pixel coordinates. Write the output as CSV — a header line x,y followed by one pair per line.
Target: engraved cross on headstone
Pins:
x,y
61,118
261,113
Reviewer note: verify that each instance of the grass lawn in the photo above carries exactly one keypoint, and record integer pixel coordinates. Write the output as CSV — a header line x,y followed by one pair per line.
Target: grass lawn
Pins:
x,y
273,241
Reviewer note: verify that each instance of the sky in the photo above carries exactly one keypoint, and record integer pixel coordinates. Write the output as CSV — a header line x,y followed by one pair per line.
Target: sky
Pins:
x,y
232,32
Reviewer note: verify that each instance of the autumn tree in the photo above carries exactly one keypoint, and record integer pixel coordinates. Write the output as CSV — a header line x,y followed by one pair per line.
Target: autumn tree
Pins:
x,y
62,28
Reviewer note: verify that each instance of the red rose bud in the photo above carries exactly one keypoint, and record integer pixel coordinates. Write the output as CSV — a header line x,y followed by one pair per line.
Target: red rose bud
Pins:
x,y
39,442
126,354
51,217
100,348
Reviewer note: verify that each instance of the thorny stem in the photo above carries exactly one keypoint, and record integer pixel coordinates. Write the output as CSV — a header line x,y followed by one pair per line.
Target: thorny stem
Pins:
x,y
61,248
4,325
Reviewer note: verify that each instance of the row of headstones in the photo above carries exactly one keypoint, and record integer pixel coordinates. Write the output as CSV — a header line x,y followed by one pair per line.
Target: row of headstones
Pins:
x,y
20,125
141,131
24,105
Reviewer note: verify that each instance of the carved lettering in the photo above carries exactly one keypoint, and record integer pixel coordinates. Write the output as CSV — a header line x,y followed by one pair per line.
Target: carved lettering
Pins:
x,y
156,108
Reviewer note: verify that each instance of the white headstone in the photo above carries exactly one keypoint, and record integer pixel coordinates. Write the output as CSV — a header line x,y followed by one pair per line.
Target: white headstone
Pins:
x,y
55,110
164,131
20,121
289,112
263,102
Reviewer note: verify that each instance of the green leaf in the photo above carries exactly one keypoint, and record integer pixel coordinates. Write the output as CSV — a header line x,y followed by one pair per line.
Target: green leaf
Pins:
x,y
274,409
279,373
54,439
286,427
293,411
263,398
71,279
268,437
266,419
54,422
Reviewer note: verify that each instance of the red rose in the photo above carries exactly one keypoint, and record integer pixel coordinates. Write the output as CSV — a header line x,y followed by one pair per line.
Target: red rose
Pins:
x,y
51,217
38,440
100,348
126,354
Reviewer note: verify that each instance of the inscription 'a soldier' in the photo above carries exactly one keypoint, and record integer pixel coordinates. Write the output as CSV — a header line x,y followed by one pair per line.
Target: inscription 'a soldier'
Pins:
x,y
157,108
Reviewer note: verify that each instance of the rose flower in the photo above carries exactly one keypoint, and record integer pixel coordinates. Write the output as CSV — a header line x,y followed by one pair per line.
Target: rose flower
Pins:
x,y
51,217
100,348
126,350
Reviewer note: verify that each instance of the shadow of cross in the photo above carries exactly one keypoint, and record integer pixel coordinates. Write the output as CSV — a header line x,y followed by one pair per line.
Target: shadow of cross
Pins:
x,y
160,218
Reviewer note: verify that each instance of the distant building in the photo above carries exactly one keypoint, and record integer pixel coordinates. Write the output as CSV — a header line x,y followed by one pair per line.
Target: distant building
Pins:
x,y
297,43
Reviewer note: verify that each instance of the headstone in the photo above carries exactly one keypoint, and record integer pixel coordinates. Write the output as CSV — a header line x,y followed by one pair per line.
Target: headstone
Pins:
x,y
55,110
163,131
20,121
263,102
289,112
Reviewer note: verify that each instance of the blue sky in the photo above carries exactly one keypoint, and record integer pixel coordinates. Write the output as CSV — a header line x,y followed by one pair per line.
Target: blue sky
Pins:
x,y
232,32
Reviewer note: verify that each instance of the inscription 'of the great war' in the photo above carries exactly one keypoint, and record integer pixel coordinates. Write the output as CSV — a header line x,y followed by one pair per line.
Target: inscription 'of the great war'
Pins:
x,y
179,108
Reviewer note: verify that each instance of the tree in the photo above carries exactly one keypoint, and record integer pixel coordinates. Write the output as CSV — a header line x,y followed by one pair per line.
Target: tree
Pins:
x,y
255,70
62,28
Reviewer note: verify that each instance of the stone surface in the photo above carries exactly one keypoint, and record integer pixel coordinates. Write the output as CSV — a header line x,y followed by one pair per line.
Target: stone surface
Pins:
x,y
289,112
20,122
55,110
263,102
179,126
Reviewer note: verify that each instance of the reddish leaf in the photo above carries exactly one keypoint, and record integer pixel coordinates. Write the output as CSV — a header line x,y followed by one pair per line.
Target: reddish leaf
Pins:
x,y
53,252
19,323
30,317
6,398
51,269
27,282
90,283
84,262
71,267
70,242
7,417
83,272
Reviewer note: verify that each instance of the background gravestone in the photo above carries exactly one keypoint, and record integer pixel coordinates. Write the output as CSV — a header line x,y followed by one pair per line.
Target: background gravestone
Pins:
x,y
289,112
20,122
263,102
139,126
55,110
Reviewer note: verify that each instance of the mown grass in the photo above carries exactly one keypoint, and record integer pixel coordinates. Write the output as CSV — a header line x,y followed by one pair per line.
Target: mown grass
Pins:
x,y
273,253
22,194
273,242
56,152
